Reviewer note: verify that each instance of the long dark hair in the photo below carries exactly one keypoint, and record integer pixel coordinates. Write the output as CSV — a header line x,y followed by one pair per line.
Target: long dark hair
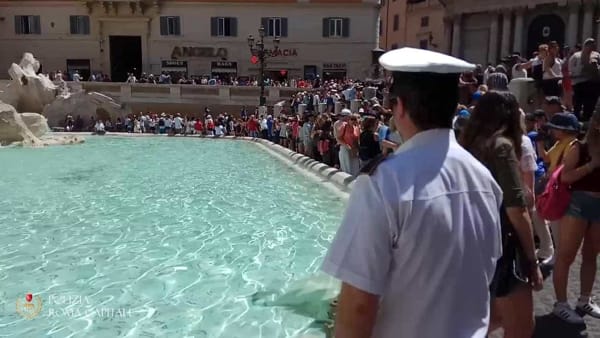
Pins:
x,y
496,115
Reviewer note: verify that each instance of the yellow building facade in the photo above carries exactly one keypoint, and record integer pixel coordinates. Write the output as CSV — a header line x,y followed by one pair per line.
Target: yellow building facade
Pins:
x,y
331,38
412,23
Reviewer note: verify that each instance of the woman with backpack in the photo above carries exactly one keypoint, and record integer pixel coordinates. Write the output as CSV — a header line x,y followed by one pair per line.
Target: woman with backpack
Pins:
x,y
563,128
581,223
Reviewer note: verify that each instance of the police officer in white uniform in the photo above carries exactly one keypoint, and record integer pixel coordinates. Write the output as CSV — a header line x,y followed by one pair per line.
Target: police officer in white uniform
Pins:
x,y
418,244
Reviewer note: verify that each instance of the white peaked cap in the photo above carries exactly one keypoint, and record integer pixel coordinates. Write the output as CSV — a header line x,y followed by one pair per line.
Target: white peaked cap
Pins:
x,y
413,60
345,112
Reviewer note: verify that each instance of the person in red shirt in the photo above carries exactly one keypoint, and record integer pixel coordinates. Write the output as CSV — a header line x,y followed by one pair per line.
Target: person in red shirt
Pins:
x,y
198,127
252,127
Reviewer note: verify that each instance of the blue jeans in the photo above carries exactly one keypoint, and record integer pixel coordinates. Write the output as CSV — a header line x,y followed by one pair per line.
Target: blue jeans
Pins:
x,y
584,206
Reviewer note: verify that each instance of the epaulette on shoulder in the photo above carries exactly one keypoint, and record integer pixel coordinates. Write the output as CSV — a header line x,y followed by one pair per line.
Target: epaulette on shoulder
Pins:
x,y
371,166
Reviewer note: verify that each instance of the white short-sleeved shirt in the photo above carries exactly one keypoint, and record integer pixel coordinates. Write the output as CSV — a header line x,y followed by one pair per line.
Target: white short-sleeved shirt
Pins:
x,y
423,233
556,71
178,122
517,74
528,156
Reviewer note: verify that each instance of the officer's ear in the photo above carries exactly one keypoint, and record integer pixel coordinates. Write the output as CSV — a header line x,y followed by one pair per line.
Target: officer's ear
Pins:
x,y
398,110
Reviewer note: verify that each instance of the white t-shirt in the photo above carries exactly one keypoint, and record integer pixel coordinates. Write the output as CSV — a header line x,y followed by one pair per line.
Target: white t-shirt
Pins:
x,y
518,74
528,156
178,122
219,130
555,71
423,233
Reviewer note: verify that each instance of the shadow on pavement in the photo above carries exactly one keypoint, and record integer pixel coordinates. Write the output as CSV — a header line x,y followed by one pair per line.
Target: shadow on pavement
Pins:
x,y
548,326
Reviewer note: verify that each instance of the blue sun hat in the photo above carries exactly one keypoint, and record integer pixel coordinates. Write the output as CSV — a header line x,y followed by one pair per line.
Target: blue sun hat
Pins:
x,y
564,121
464,113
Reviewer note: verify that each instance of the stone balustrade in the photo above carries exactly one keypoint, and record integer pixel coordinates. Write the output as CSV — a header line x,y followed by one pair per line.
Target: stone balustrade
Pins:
x,y
176,97
175,93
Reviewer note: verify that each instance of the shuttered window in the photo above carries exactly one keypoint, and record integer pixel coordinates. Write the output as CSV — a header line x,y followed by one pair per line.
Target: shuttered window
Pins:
x,y
80,24
336,27
27,24
275,27
223,26
170,25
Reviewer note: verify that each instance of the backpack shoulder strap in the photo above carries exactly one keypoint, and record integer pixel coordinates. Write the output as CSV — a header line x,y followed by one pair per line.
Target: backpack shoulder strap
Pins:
x,y
567,148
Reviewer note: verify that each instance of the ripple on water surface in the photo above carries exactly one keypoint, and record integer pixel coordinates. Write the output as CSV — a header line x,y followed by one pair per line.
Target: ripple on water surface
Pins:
x,y
156,237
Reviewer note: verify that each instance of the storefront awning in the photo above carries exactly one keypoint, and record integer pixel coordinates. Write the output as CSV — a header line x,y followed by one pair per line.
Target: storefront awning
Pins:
x,y
174,69
224,70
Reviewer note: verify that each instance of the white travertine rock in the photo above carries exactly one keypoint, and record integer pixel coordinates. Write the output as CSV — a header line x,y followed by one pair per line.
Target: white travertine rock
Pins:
x,y
28,91
36,94
37,124
81,104
13,129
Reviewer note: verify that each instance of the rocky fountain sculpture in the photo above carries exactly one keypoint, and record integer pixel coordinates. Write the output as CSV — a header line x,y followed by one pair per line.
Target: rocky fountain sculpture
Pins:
x,y
30,100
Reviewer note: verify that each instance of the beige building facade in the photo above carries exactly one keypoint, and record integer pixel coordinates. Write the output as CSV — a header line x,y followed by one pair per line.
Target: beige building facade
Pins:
x,y
484,31
412,23
331,38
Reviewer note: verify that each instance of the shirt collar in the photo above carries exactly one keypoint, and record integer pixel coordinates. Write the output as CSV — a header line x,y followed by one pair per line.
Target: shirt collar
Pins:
x,y
437,136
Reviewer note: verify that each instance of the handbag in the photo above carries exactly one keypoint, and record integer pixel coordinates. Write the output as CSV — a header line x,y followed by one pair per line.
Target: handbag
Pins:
x,y
552,204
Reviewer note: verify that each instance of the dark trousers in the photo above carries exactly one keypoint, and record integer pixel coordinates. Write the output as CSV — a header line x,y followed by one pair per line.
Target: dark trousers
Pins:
x,y
265,134
585,95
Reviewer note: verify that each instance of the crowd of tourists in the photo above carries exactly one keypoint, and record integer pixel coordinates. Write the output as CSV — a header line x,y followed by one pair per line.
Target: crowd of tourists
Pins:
x,y
180,78
545,169
569,73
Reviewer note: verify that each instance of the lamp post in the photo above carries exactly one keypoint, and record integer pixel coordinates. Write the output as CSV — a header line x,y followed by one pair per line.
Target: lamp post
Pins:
x,y
257,48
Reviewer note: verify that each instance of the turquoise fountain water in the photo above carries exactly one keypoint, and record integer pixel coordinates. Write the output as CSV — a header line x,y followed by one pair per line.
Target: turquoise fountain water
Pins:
x,y
155,237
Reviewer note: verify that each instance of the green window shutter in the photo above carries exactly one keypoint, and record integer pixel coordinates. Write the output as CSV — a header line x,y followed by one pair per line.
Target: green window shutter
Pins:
x,y
234,26
345,27
284,27
86,25
214,29
18,25
265,23
73,23
178,25
325,27
164,29
37,27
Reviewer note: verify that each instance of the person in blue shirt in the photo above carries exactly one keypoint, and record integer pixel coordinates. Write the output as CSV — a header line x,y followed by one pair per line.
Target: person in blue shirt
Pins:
x,y
383,130
532,133
270,127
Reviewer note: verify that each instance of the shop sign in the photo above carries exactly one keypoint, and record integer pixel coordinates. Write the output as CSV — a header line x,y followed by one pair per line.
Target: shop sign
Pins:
x,y
281,52
173,64
223,67
224,64
201,52
334,66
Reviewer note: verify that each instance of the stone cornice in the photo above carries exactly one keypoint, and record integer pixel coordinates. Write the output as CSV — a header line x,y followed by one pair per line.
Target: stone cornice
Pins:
x,y
478,6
